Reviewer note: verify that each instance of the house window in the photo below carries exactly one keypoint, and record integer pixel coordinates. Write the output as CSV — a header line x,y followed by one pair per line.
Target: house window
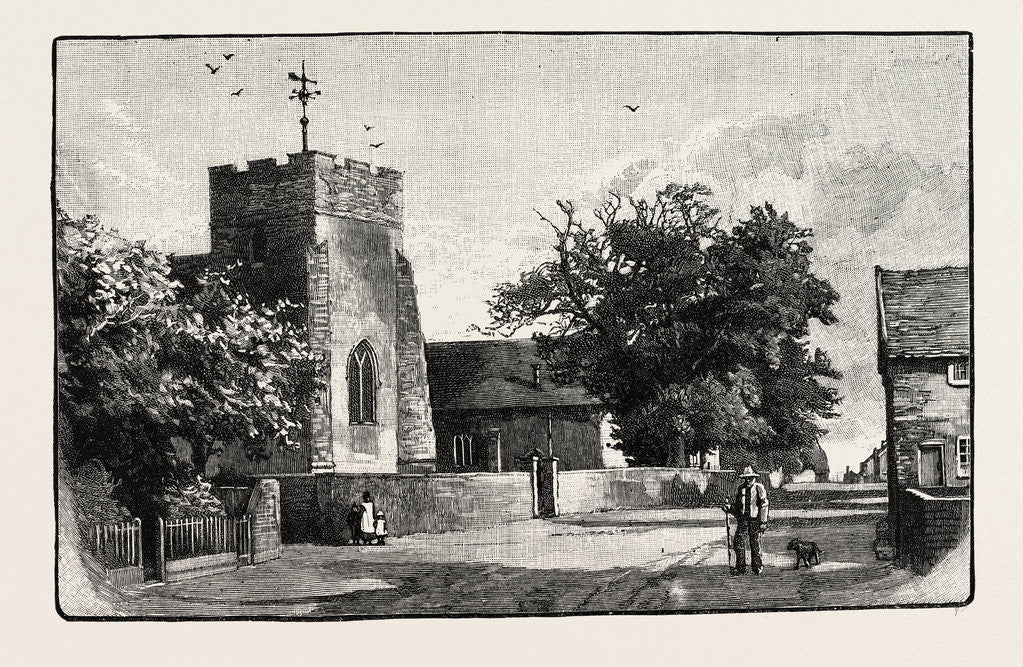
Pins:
x,y
362,385
462,447
959,373
964,453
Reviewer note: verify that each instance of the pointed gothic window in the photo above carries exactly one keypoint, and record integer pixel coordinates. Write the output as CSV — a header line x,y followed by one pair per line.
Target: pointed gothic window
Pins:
x,y
362,385
462,448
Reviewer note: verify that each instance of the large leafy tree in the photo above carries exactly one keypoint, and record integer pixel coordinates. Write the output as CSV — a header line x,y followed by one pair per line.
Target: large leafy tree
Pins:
x,y
141,362
691,330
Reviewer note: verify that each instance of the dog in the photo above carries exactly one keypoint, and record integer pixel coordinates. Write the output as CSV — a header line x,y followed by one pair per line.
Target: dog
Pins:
x,y
805,551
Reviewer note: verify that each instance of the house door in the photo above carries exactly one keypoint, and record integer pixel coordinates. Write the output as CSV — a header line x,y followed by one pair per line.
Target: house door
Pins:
x,y
930,466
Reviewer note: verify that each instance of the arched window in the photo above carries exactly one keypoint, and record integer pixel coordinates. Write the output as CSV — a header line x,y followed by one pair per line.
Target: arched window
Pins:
x,y
362,385
462,448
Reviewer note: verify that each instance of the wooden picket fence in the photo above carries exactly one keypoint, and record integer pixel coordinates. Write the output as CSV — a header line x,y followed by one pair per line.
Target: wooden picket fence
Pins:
x,y
118,549
197,546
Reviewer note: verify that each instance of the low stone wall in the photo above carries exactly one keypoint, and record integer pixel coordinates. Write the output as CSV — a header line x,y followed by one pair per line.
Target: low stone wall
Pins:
x,y
200,566
264,508
592,490
126,577
315,507
835,486
930,528
300,510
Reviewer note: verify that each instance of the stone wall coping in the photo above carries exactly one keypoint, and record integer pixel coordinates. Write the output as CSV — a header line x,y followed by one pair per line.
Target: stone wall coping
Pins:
x,y
394,475
638,469
924,496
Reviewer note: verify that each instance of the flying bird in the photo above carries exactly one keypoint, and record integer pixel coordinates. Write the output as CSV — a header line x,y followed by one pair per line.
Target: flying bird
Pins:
x,y
377,145
228,56
239,93
213,70
632,108
368,127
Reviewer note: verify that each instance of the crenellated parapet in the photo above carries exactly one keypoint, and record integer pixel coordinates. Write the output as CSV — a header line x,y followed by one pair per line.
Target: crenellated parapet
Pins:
x,y
353,189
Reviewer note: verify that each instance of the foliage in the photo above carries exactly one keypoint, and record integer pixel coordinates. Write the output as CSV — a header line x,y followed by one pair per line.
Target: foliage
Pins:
x,y
141,362
691,331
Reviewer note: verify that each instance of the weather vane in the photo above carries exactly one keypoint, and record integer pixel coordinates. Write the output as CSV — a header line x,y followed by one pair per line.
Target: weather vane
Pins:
x,y
303,95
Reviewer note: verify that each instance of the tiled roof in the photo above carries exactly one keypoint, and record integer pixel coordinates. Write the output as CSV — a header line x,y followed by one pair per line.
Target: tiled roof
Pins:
x,y
494,374
925,313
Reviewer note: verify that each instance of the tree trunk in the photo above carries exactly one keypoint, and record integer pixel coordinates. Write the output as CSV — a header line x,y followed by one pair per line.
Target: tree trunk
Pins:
x,y
676,453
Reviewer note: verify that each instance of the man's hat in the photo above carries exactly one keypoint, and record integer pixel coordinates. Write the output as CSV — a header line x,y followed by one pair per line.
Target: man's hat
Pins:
x,y
748,472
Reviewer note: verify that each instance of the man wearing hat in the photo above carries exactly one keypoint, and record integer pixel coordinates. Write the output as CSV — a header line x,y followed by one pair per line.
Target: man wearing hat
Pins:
x,y
749,506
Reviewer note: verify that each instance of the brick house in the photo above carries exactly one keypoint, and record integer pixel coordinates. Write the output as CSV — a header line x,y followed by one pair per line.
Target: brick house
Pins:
x,y
924,357
494,400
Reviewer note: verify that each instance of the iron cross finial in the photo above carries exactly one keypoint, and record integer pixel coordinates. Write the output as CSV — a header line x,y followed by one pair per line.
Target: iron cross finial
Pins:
x,y
303,95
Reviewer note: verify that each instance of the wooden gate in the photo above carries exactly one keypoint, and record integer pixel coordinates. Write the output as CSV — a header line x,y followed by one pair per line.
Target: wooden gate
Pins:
x,y
118,549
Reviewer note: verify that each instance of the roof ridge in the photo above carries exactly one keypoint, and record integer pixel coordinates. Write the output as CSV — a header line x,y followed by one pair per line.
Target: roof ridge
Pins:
x,y
948,267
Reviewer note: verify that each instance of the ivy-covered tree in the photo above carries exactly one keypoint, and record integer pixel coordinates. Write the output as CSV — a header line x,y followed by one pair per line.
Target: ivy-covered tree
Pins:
x,y
691,331
141,363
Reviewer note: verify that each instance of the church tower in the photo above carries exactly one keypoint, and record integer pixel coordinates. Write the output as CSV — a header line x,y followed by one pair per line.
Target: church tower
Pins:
x,y
329,235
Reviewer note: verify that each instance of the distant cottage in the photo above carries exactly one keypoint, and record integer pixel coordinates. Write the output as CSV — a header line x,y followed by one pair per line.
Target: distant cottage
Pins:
x,y
874,468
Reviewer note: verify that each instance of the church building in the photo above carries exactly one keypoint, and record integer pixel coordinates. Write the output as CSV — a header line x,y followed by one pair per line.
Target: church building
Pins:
x,y
328,235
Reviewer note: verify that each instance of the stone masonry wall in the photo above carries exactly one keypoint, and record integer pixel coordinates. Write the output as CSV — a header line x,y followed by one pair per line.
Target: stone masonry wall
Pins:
x,y
417,443
300,512
277,200
931,528
925,407
358,215
264,508
351,190
427,503
315,506
592,490
362,307
319,423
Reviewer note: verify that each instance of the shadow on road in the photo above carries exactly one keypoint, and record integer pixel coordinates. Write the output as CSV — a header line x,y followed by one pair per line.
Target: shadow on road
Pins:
x,y
538,568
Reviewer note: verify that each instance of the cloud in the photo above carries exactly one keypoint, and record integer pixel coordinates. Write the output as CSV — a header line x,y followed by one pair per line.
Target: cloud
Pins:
x,y
743,151
865,187
629,179
119,114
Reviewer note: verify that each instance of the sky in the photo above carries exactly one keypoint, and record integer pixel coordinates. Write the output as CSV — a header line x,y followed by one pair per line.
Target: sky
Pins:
x,y
864,139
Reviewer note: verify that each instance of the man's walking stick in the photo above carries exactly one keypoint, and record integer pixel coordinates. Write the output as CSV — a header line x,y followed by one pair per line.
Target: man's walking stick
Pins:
x,y
728,544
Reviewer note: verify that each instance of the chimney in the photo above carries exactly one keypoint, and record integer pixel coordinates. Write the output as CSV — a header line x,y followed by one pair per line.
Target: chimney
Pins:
x,y
536,377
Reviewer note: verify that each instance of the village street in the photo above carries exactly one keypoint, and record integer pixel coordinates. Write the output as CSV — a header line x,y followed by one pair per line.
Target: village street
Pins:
x,y
630,560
